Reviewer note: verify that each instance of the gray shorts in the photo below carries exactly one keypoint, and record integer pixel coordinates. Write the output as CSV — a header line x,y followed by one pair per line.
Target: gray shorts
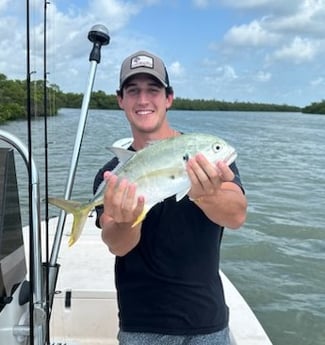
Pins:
x,y
134,338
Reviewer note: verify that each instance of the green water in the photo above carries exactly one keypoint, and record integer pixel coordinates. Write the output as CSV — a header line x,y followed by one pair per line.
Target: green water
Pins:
x,y
277,260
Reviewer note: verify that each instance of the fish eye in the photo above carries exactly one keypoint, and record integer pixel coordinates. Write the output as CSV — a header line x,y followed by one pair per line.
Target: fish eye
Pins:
x,y
186,157
217,147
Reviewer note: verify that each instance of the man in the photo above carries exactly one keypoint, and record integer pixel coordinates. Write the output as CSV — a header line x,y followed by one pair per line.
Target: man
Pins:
x,y
167,267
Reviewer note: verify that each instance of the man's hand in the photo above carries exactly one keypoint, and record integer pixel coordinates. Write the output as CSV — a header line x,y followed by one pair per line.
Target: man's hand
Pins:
x,y
120,200
206,178
213,191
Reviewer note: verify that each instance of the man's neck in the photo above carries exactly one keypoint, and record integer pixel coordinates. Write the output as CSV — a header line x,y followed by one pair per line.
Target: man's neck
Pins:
x,y
143,139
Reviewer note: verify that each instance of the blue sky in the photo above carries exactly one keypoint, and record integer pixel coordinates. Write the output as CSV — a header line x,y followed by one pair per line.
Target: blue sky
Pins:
x,y
269,51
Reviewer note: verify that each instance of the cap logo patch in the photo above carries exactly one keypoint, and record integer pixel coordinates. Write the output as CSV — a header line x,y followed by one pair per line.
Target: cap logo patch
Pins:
x,y
142,61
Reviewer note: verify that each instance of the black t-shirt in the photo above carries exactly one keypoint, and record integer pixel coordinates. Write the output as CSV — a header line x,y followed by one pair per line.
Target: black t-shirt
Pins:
x,y
169,283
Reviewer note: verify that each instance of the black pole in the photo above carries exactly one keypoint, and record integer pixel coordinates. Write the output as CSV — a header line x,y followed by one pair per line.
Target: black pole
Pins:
x,y
30,182
47,254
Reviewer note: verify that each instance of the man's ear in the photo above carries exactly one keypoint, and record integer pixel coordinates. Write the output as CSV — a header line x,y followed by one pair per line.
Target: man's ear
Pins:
x,y
170,99
119,100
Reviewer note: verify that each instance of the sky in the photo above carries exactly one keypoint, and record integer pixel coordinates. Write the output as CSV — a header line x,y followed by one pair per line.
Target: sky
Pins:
x,y
265,51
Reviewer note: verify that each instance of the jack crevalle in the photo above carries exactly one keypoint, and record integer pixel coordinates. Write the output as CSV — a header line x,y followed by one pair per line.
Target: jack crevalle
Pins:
x,y
158,170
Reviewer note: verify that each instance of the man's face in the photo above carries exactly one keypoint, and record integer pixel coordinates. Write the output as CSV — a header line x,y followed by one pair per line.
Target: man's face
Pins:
x,y
145,102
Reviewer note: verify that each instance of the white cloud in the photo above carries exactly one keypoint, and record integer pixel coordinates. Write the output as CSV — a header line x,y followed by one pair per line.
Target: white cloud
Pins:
x,y
271,6
3,4
247,3
263,76
201,3
299,50
226,73
307,20
252,43
67,45
252,34
320,81
176,69
218,81
114,13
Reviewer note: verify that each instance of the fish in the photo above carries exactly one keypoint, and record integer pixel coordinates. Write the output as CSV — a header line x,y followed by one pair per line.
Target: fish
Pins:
x,y
158,170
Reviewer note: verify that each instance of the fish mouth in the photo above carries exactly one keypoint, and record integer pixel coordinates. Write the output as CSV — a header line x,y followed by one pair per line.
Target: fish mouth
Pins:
x,y
231,157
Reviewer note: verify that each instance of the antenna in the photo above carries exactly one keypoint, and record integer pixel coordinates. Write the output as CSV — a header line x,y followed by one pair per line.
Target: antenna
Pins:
x,y
98,34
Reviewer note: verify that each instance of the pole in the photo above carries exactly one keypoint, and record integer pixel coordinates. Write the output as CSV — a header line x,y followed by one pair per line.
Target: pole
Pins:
x,y
99,36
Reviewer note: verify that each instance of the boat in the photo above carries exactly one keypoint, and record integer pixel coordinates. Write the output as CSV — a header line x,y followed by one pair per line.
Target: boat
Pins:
x,y
69,297
84,308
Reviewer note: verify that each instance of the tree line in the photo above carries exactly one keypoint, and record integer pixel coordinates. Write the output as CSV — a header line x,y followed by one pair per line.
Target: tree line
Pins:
x,y
13,101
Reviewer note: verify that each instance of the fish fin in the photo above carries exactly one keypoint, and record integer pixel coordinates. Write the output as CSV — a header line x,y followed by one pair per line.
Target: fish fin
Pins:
x,y
180,195
123,143
141,217
67,205
122,154
79,221
80,213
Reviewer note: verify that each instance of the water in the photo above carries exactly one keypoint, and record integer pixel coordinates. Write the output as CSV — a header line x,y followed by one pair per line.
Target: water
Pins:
x,y
277,260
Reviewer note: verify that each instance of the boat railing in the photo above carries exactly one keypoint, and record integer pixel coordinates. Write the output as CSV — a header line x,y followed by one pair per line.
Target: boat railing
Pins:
x,y
23,330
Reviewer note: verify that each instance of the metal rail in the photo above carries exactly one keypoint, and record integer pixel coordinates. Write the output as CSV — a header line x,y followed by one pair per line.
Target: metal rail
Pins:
x,y
36,238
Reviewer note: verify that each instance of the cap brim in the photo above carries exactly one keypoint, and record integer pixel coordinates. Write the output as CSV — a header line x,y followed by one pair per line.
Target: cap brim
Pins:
x,y
141,70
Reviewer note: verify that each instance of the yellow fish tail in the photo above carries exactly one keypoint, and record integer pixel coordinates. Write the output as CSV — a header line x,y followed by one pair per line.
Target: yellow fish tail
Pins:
x,y
141,217
79,211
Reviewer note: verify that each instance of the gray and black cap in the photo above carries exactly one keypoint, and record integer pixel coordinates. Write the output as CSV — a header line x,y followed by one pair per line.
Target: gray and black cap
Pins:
x,y
144,62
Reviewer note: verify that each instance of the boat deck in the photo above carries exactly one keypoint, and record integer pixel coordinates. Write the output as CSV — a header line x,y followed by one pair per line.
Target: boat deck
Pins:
x,y
89,317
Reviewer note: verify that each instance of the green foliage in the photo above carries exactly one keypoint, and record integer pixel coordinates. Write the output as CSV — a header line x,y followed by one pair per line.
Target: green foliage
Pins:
x,y
98,100
315,108
13,101
214,105
11,111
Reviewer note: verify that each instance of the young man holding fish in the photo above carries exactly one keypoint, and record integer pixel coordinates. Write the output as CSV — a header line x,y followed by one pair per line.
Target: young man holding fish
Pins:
x,y
167,259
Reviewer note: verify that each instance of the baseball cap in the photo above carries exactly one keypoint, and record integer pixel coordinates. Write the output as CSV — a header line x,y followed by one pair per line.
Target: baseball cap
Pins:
x,y
144,62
